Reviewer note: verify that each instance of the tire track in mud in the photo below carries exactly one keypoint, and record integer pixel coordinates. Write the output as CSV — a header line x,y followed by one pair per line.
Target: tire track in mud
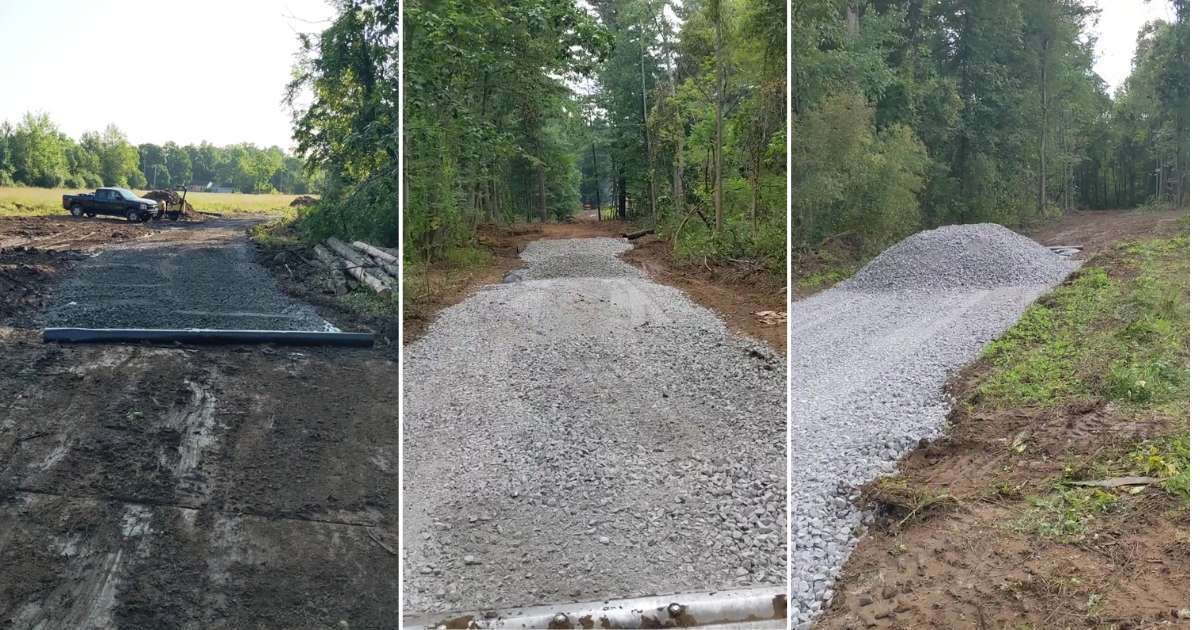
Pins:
x,y
168,487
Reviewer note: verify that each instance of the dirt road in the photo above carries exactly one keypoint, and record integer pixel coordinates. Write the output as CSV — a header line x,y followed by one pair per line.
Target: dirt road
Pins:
x,y
581,432
175,487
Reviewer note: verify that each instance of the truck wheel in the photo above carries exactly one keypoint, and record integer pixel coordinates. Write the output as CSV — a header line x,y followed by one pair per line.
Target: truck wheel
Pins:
x,y
134,216
76,211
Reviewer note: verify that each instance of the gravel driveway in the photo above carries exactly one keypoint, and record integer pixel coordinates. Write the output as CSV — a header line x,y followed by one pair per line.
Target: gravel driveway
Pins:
x,y
869,360
200,275
584,433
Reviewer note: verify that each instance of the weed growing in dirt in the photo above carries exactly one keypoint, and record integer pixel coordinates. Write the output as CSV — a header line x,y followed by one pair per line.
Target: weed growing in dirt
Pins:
x,y
1116,333
1067,511
1165,458
371,304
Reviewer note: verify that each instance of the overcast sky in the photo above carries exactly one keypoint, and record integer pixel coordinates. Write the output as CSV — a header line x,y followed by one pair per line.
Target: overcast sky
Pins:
x,y
159,69
1117,31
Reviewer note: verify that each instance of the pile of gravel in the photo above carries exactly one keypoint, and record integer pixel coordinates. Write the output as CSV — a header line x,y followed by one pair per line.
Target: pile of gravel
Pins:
x,y
978,256
581,437
869,364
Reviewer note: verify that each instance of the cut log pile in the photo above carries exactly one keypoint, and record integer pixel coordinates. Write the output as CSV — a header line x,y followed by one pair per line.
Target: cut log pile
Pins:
x,y
357,264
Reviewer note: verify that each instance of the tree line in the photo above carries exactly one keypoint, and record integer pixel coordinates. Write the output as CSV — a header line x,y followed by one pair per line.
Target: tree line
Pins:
x,y
344,96
33,152
917,113
670,111
689,115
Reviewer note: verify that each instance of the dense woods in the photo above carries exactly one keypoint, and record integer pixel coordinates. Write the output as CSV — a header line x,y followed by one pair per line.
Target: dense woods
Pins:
x,y
917,113
668,113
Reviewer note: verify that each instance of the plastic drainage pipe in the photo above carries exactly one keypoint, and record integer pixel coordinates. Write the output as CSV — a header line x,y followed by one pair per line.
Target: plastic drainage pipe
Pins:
x,y
207,336
764,607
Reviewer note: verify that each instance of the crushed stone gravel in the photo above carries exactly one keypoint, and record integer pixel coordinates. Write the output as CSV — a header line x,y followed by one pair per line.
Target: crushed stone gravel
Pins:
x,y
870,358
976,256
199,276
584,433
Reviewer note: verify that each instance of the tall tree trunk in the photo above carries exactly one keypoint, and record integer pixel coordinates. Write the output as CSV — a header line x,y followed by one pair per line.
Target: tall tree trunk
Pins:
x,y
621,200
596,177
542,192
1042,147
718,219
649,143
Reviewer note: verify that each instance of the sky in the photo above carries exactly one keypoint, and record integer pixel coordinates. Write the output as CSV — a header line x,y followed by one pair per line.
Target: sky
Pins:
x,y
1117,29
160,70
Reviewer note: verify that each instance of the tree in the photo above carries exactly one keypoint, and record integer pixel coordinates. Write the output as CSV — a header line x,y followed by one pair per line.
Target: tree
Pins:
x,y
349,129
37,152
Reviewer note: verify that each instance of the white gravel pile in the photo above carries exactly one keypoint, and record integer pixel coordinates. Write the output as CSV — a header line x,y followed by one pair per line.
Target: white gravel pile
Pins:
x,y
979,256
586,433
870,358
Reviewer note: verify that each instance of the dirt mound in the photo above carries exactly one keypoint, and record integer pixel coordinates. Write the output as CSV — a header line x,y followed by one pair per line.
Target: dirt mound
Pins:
x,y
172,199
25,278
302,201
979,256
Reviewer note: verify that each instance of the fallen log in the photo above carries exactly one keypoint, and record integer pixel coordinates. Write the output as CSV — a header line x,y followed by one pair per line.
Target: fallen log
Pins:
x,y
633,236
374,251
386,261
337,269
360,267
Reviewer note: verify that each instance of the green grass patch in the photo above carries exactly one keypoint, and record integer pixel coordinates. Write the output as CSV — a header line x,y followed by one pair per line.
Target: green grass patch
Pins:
x,y
467,257
28,201
277,233
1117,331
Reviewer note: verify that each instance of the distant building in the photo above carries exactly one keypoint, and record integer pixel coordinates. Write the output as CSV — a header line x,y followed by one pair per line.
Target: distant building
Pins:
x,y
225,188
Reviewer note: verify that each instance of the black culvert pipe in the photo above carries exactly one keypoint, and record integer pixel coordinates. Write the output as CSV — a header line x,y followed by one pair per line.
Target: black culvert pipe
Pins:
x,y
207,336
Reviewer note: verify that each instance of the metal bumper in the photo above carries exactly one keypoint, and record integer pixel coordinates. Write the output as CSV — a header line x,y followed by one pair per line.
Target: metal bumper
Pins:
x,y
754,608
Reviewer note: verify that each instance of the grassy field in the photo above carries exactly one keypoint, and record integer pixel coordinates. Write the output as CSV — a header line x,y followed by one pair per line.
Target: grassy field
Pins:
x,y
48,201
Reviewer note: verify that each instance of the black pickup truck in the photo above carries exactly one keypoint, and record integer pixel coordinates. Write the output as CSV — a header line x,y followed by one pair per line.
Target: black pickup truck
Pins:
x,y
117,202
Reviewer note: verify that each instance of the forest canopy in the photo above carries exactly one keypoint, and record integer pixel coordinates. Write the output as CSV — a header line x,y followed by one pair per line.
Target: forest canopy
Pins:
x,y
667,113
917,113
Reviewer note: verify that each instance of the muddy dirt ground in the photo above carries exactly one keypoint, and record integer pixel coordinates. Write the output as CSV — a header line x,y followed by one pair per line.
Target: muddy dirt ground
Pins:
x,y
181,487
955,563
737,293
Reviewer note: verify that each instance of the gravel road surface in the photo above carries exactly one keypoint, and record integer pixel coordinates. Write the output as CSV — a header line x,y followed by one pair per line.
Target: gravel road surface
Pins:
x,y
870,358
190,276
584,433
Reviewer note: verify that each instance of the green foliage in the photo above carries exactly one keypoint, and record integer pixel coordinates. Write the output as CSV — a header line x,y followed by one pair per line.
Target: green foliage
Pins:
x,y
349,130
654,122
1003,99
366,302
1167,458
848,177
491,129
